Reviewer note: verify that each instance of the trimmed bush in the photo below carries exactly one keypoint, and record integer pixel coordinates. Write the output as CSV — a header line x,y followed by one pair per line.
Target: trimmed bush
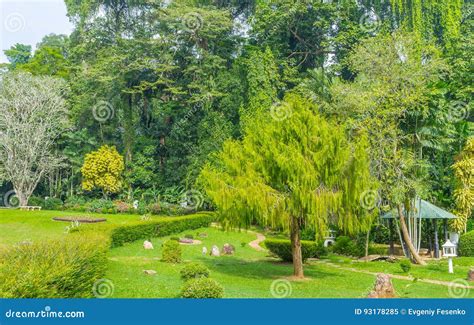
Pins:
x,y
53,269
171,252
405,265
160,228
194,271
346,246
466,244
282,249
202,288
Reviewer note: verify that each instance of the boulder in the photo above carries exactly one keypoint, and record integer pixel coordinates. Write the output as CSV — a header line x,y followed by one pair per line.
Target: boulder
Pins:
x,y
149,272
215,251
186,241
470,275
228,249
383,287
147,244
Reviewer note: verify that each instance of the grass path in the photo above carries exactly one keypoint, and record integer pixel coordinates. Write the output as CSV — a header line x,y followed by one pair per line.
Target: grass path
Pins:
x,y
400,277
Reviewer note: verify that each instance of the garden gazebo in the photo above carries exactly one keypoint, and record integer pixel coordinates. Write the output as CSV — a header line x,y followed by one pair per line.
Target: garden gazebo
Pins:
x,y
422,210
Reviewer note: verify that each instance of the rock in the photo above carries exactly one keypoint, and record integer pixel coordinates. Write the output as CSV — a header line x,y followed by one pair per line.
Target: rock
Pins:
x,y
383,287
215,251
186,241
147,245
149,272
228,249
372,258
470,275
203,235
204,250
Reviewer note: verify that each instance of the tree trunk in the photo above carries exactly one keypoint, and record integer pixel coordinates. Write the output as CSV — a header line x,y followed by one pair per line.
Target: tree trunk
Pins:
x,y
22,198
367,239
296,248
414,255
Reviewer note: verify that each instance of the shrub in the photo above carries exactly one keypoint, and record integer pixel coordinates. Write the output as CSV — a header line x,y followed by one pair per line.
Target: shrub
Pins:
x,y
346,246
122,207
35,201
194,271
154,208
282,249
378,249
100,206
75,203
202,288
405,265
466,244
158,228
53,203
171,252
53,269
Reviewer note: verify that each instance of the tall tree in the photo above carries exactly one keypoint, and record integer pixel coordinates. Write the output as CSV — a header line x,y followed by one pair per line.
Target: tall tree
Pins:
x,y
300,172
33,115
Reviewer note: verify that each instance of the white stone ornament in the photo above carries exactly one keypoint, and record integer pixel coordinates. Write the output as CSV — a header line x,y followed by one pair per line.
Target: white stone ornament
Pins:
x,y
215,251
204,250
147,245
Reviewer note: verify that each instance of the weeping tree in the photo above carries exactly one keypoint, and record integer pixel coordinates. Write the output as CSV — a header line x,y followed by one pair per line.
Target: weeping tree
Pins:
x,y
301,171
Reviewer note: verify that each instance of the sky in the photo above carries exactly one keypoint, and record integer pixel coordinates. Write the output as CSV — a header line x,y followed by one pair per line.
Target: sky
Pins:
x,y
27,21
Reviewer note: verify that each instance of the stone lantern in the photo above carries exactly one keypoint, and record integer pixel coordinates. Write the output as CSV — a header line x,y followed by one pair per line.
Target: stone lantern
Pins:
x,y
449,251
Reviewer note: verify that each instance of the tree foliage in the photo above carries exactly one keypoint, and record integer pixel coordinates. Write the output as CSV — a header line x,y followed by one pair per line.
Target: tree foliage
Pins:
x,y
103,169
302,171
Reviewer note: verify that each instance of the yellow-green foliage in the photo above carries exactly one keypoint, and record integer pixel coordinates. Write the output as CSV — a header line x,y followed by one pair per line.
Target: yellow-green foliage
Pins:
x,y
300,167
103,169
430,18
464,193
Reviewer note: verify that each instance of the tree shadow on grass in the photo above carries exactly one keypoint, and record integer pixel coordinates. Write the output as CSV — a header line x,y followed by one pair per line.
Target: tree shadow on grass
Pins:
x,y
259,269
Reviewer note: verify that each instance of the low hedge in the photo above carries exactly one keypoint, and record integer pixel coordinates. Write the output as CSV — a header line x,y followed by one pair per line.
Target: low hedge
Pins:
x,y
53,269
282,249
145,230
202,288
466,244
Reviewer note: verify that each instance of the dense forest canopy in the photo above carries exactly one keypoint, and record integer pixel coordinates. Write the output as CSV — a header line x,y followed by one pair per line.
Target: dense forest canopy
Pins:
x,y
168,82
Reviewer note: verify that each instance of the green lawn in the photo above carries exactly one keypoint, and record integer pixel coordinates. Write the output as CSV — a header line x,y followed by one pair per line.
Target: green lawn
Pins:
x,y
17,226
247,274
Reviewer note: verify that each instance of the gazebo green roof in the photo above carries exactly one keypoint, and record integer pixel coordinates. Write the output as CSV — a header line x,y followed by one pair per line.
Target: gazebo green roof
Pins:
x,y
424,210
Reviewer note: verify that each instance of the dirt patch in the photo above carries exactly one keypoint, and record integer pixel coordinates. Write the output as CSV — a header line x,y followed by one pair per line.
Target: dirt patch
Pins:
x,y
80,219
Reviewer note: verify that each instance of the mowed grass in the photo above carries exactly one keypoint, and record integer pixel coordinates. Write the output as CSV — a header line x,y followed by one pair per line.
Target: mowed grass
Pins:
x,y
436,269
247,274
17,226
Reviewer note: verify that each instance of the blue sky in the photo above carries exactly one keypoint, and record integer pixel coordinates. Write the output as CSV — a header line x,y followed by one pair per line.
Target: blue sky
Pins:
x,y
27,21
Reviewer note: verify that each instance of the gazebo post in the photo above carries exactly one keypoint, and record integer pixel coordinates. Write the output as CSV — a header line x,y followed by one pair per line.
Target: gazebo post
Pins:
x,y
445,229
436,241
391,250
